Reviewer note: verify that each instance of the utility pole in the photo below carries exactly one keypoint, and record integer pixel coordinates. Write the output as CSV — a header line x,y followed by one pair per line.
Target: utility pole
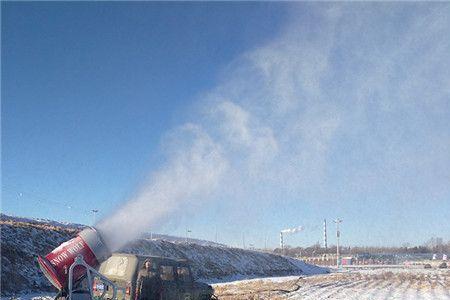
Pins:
x,y
338,235
281,242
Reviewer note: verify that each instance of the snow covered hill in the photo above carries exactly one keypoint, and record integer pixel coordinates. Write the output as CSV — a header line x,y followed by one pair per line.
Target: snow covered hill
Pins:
x,y
23,239
215,264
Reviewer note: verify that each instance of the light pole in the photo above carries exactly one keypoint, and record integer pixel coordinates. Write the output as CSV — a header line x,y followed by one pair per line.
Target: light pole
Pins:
x,y
338,235
216,235
265,242
94,211
187,235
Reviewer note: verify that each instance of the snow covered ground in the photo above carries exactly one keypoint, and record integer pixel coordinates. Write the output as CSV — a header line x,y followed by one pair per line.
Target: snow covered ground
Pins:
x,y
369,283
357,283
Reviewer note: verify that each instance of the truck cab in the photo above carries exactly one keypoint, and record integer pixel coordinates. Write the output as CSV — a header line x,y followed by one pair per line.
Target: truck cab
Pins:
x,y
176,278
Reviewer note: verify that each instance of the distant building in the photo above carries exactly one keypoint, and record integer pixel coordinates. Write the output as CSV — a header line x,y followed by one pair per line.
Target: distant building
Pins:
x,y
346,261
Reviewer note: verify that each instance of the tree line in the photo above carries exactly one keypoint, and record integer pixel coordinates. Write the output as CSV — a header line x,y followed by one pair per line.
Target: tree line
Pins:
x,y
433,245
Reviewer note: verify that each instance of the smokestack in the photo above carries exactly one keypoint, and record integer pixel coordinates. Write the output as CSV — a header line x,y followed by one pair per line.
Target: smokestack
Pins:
x,y
325,243
56,264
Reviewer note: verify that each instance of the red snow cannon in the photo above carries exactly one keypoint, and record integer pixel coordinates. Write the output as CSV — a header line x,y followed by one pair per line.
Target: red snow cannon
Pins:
x,y
56,264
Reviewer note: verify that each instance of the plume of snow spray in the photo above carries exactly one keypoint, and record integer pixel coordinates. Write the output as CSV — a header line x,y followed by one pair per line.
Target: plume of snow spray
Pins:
x,y
191,173
266,130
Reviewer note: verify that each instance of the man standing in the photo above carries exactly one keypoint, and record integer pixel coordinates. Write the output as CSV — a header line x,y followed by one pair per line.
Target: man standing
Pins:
x,y
148,285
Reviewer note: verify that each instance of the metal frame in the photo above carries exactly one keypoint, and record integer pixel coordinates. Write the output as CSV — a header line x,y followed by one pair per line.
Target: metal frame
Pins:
x,y
79,261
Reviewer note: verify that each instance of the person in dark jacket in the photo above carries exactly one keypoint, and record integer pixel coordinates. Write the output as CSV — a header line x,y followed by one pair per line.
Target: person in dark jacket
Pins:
x,y
149,284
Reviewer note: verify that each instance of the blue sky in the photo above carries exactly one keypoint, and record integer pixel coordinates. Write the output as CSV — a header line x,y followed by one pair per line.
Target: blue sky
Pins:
x,y
245,117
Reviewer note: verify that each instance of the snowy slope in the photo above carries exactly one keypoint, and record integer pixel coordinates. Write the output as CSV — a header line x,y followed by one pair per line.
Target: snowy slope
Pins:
x,y
215,263
23,240
154,236
38,221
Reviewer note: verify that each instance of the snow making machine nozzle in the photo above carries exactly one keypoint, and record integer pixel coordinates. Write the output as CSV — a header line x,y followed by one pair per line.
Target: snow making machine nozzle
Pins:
x,y
88,243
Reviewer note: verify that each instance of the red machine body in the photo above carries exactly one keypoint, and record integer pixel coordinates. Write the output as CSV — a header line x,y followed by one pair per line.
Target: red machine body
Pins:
x,y
56,264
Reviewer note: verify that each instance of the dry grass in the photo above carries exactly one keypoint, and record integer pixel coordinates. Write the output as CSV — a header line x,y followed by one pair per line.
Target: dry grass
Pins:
x,y
257,289
39,226
266,289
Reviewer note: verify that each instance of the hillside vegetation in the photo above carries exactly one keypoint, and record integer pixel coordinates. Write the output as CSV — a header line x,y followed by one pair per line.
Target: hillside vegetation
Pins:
x,y
23,240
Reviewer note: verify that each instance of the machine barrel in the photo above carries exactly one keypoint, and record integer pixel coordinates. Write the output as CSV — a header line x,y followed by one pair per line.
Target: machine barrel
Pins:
x,y
56,264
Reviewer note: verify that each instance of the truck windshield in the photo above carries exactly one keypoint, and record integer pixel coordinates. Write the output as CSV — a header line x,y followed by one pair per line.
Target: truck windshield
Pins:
x,y
116,266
